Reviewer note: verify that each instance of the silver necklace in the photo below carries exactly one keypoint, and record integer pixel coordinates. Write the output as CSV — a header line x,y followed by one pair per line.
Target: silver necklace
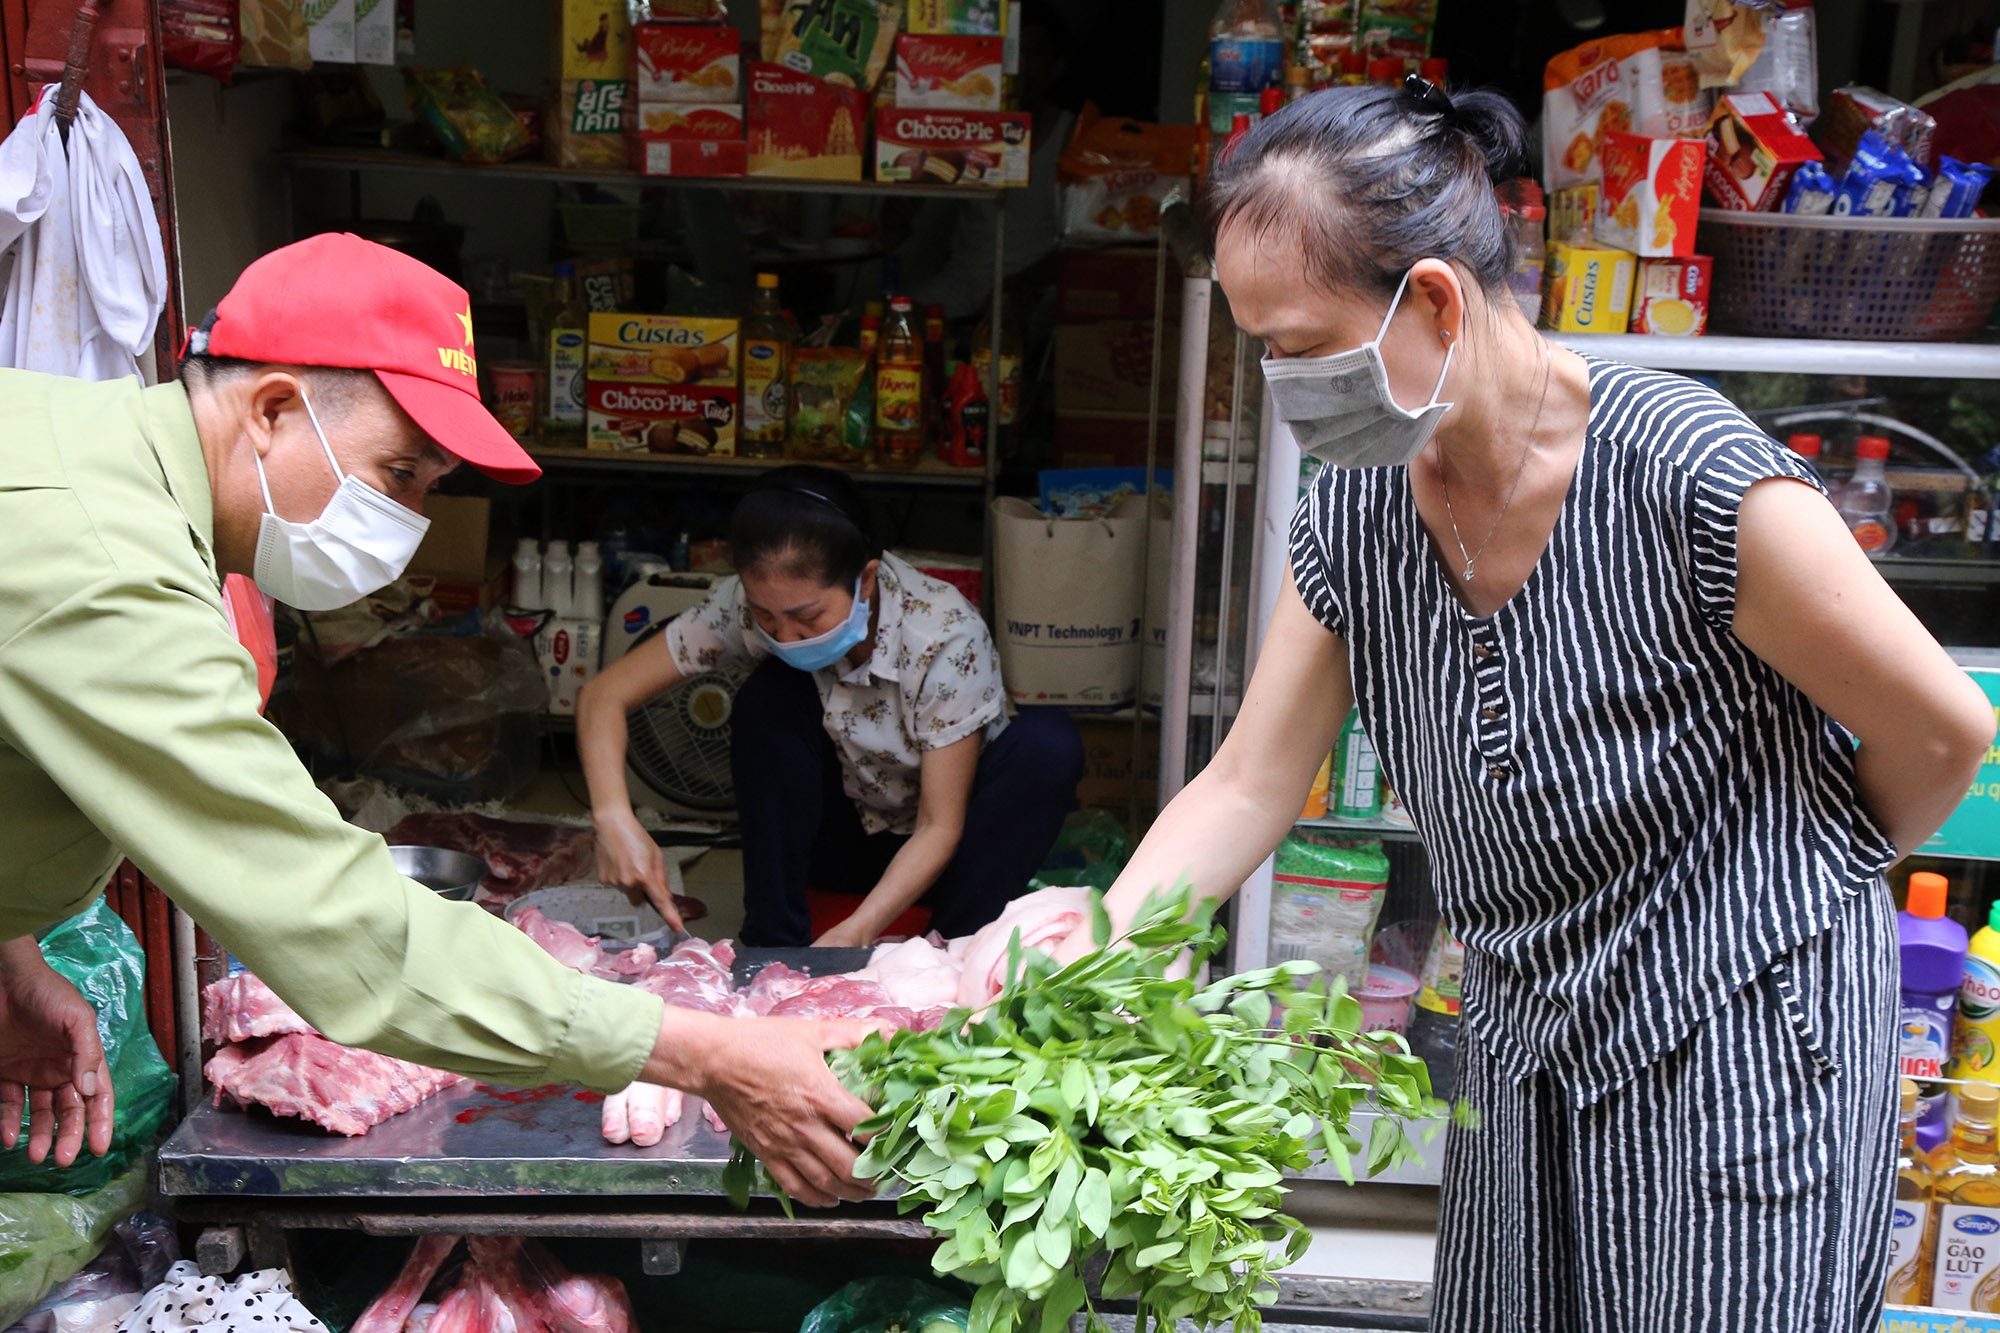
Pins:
x,y
1472,557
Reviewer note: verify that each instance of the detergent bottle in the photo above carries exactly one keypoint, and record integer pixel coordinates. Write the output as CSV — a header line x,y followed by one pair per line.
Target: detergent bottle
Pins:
x,y
1975,1043
1934,972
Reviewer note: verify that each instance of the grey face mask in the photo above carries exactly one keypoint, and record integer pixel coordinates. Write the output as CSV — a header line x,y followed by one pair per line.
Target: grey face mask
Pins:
x,y
1340,408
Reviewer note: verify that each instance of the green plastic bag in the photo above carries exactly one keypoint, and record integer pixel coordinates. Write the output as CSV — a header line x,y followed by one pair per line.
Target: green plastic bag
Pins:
x,y
1090,853
96,952
890,1305
45,1238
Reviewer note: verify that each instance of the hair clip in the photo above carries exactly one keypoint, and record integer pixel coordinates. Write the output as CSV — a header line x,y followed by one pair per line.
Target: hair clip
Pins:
x,y
1428,95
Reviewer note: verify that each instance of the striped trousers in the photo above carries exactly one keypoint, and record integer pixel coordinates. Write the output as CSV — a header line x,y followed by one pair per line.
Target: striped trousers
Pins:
x,y
1740,1184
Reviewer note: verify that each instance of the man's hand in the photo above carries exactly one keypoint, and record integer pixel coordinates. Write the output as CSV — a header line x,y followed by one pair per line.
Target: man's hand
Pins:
x,y
51,1061
629,859
767,1078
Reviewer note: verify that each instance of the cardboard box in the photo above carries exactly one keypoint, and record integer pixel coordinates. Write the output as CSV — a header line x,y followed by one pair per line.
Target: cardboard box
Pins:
x,y
1115,769
1112,283
1590,289
1671,296
1753,151
593,40
670,155
721,121
1651,194
662,384
679,62
803,128
585,128
454,548
948,73
959,18
952,147
1108,439
330,36
569,650
1108,366
454,597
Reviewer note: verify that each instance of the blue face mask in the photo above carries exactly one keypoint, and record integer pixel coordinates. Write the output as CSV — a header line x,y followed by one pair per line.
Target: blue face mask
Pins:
x,y
822,651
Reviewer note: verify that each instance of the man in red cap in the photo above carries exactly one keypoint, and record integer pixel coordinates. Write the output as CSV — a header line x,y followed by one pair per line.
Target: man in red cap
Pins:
x,y
322,401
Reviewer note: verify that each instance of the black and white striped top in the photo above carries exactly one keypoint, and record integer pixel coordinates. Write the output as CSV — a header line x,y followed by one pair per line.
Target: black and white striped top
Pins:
x,y
1629,814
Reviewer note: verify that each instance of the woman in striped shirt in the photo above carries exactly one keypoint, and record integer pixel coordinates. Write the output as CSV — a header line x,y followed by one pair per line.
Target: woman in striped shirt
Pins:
x,y
1614,649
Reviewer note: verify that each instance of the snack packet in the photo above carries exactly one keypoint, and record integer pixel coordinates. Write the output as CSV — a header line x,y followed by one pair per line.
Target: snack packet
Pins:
x,y
1853,110
1326,33
1117,175
1789,68
1396,28
1956,191
468,120
1633,83
825,383
842,41
1873,181
1725,37
273,35
1811,191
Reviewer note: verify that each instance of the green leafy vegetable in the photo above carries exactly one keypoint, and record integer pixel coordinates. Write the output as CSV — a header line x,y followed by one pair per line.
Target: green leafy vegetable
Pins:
x,y
1109,1108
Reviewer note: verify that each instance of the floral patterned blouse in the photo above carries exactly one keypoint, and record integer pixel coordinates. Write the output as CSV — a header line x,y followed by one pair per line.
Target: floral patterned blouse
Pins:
x,y
933,680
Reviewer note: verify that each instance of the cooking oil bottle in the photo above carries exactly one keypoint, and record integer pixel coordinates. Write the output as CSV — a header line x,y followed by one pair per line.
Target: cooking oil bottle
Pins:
x,y
567,328
1965,1209
1909,1230
899,389
767,373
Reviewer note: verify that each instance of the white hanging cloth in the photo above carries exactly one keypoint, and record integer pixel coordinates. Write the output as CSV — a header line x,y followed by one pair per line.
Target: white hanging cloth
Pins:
x,y
83,273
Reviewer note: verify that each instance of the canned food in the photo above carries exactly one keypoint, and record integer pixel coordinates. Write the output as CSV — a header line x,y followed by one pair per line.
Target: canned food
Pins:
x,y
514,397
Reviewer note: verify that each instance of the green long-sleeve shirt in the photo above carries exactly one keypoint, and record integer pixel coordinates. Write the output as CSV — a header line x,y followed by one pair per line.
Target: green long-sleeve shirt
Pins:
x,y
129,726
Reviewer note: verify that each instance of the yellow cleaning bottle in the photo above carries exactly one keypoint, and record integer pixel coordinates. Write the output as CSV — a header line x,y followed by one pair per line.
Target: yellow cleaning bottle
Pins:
x,y
1975,1042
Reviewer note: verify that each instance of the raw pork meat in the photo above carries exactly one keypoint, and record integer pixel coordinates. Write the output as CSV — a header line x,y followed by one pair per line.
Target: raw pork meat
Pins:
x,y
241,1008
833,997
696,975
916,973
339,1089
398,1304
774,984
564,942
520,857
1043,918
457,1312
627,963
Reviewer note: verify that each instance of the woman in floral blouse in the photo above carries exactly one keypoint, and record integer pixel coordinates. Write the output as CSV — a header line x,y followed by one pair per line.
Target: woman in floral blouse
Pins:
x,y
871,745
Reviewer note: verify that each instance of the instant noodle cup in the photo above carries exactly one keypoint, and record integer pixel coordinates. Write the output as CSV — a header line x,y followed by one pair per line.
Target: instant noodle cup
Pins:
x,y
1651,196
1671,296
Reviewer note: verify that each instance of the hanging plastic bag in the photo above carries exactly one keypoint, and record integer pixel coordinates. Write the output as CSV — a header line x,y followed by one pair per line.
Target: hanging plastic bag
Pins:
x,y
96,952
1090,853
44,1238
889,1305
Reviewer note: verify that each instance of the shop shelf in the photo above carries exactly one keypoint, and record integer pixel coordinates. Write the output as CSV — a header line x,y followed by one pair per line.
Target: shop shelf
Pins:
x,y
1372,828
1793,356
314,158
929,472
1897,569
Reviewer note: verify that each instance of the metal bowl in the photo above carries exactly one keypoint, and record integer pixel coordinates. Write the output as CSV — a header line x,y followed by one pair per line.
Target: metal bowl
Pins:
x,y
454,875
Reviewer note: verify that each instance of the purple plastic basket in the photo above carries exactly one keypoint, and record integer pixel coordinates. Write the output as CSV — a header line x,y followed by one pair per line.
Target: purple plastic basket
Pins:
x,y
1778,275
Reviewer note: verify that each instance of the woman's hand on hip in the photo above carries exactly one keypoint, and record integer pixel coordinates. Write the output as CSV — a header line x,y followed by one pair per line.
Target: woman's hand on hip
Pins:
x,y
629,859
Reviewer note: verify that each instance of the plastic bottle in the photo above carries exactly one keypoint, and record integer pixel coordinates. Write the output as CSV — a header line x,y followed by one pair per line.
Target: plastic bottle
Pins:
x,y
1239,126
899,389
1246,55
1909,1218
1388,71
587,594
968,418
557,568
1316,796
528,574
1353,68
1866,501
1965,1209
568,333
1270,102
1933,948
1357,774
1007,411
1433,1034
767,373
1298,82
1975,1039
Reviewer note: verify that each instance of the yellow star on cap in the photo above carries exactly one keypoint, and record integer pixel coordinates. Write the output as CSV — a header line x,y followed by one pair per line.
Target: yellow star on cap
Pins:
x,y
466,319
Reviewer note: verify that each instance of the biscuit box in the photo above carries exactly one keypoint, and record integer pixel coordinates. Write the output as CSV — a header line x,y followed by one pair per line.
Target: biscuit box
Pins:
x,y
682,63
662,384
959,18
1651,194
673,155
948,73
593,40
1590,289
1753,152
1670,296
804,128
982,148
685,120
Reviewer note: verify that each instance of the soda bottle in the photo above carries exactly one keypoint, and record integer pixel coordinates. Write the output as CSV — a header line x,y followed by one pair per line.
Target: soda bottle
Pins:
x,y
1246,55
899,388
767,373
1866,501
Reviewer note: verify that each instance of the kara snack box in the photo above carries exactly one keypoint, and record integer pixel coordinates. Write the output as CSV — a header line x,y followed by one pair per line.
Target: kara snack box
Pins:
x,y
1631,83
688,63
948,73
1753,151
1671,296
662,384
804,128
981,148
1590,289
1651,195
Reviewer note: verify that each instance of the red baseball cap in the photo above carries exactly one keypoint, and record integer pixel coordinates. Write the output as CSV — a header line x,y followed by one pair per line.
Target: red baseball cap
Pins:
x,y
342,302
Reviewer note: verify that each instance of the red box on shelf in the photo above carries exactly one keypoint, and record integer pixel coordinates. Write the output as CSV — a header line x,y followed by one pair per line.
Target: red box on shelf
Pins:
x,y
680,62
804,128
668,155
980,148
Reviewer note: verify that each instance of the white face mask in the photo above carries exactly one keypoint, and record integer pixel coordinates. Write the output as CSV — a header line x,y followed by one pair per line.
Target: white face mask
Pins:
x,y
361,542
1341,410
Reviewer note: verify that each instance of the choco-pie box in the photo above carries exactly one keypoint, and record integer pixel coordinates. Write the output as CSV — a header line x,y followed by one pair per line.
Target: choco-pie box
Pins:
x,y
804,128
664,384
